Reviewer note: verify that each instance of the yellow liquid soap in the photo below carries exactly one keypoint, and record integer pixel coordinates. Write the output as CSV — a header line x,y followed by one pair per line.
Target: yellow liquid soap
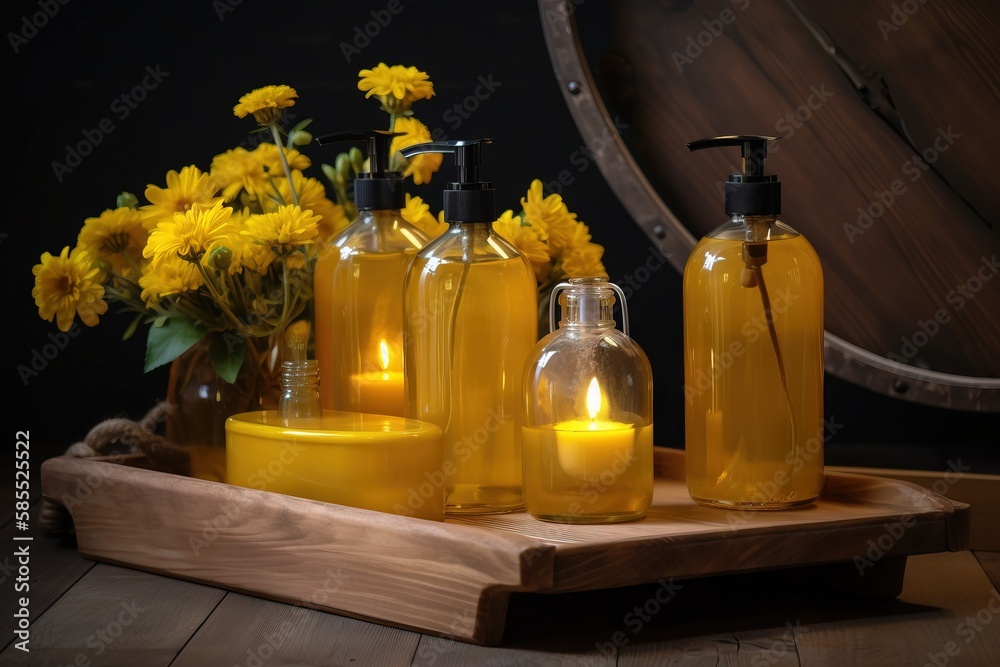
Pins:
x,y
750,443
576,474
359,330
472,327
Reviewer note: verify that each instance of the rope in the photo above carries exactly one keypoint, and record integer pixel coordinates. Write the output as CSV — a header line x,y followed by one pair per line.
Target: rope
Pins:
x,y
137,437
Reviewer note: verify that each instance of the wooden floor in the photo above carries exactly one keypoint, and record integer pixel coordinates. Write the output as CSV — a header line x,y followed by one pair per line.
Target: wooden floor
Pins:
x,y
85,613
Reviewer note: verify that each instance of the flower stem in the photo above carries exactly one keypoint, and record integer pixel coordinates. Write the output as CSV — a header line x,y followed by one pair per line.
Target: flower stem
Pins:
x,y
284,162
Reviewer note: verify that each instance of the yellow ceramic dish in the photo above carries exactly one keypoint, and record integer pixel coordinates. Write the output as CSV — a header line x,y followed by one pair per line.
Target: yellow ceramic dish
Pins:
x,y
376,462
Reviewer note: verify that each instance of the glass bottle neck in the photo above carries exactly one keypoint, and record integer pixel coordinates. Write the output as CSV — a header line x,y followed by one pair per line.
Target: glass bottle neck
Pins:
x,y
300,390
587,308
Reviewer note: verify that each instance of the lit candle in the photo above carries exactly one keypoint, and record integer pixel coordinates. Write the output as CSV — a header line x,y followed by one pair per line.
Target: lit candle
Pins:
x,y
596,448
380,392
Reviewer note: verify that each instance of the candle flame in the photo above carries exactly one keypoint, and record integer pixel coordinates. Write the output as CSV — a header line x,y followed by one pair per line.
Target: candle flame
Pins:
x,y
593,399
383,351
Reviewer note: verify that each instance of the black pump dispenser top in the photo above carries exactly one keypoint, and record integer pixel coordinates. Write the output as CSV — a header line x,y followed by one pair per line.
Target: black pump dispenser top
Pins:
x,y
750,193
468,199
377,189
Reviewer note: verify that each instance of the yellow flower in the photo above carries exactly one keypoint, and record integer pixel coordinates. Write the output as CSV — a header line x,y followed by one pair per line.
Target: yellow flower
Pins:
x,y
312,197
396,87
115,236
66,286
526,239
283,230
238,169
422,166
549,216
584,261
172,275
189,234
185,189
266,103
418,214
267,153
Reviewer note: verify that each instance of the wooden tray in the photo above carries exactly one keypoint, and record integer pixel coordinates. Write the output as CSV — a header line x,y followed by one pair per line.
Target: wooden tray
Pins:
x,y
454,578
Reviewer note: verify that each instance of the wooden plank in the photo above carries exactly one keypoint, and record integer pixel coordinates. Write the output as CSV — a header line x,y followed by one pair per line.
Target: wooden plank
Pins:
x,y
245,630
934,618
118,616
990,560
977,490
54,566
418,574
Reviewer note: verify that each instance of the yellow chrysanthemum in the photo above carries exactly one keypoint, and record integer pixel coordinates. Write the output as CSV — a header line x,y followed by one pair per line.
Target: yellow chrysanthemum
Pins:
x,y
185,189
549,216
584,261
267,153
67,286
266,103
238,169
420,167
116,236
396,87
284,230
172,275
189,234
526,240
418,214
312,197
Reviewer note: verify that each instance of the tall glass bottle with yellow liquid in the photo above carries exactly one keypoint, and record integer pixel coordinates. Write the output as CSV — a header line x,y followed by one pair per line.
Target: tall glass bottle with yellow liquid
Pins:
x,y
753,350
358,291
471,321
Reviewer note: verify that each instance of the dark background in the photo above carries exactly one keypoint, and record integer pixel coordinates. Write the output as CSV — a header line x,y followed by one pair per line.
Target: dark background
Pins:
x,y
64,79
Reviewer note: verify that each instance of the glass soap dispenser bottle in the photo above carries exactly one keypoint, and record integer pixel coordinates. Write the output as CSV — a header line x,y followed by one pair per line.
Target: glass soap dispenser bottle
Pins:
x,y
471,320
358,290
753,350
587,413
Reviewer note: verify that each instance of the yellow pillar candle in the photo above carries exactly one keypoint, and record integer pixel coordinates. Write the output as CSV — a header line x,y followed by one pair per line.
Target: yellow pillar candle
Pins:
x,y
588,449
380,392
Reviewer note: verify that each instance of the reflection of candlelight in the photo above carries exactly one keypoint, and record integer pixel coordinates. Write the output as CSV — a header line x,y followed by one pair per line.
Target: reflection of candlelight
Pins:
x,y
588,448
380,392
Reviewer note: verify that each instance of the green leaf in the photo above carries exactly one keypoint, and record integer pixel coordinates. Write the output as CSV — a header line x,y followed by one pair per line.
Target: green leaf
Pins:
x,y
227,352
166,343
130,331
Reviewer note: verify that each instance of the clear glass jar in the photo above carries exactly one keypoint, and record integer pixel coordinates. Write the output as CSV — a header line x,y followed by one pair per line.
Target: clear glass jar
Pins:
x,y
587,426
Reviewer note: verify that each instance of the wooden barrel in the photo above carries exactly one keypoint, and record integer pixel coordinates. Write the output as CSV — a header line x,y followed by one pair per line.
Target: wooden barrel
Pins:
x,y
888,118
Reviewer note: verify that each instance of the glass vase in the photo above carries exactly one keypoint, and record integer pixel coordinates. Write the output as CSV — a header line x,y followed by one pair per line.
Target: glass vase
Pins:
x,y
201,401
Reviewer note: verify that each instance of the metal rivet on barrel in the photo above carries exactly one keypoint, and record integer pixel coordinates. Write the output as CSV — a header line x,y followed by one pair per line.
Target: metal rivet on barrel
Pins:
x,y
573,87
659,231
900,386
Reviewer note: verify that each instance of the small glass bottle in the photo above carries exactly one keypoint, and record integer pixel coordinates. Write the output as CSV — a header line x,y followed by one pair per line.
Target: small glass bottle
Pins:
x,y
300,397
587,426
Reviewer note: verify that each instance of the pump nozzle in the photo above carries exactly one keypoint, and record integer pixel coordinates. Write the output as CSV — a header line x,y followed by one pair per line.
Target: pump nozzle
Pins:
x,y
378,188
468,199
